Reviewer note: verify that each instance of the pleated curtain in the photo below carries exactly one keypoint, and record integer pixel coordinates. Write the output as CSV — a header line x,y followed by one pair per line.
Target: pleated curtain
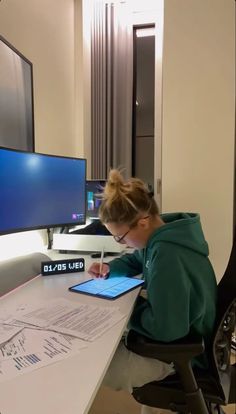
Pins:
x,y
112,88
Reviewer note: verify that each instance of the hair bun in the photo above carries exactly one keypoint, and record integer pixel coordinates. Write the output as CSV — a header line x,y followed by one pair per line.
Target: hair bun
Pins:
x,y
115,178
123,200
113,187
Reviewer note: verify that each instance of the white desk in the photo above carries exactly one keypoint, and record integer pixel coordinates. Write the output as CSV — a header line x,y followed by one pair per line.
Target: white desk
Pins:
x,y
69,386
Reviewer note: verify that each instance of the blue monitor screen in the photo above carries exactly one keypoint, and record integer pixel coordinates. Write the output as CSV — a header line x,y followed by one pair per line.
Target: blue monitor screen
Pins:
x,y
40,191
93,188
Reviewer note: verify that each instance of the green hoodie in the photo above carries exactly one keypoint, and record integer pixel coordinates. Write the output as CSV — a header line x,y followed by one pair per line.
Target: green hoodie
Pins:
x,y
180,281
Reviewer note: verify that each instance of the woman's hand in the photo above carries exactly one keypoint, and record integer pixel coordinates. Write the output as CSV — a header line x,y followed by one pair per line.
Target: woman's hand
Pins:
x,y
95,270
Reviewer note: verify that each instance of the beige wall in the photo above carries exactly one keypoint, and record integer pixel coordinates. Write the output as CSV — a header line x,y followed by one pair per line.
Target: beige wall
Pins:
x,y
43,31
198,116
83,80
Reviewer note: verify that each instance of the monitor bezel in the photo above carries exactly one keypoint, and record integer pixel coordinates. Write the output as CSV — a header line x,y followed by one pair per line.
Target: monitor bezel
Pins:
x,y
49,226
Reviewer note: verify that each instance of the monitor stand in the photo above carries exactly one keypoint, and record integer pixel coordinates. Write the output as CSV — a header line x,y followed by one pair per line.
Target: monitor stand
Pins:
x,y
86,243
94,227
94,237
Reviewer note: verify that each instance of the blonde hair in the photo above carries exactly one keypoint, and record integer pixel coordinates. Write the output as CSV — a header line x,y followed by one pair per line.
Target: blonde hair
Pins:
x,y
124,200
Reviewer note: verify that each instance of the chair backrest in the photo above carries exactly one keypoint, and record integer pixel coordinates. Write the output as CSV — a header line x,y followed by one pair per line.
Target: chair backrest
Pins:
x,y
227,285
14,272
224,326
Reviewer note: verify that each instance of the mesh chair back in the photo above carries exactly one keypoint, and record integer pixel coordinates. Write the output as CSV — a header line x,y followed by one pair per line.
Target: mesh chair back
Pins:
x,y
224,327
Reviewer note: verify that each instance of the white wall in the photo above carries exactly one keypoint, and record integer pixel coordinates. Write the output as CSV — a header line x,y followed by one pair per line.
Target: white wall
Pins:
x,y
198,116
43,31
195,112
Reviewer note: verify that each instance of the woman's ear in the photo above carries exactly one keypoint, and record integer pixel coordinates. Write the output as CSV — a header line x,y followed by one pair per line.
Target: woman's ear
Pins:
x,y
144,223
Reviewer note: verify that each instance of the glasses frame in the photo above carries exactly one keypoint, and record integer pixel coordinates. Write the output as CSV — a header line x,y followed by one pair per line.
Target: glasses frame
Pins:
x,y
119,239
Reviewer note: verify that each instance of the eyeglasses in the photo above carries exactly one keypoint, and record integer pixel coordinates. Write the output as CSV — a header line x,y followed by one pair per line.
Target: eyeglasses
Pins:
x,y
120,239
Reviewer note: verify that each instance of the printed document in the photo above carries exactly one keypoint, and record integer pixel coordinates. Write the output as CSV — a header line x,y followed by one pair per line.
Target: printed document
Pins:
x,y
7,332
83,321
32,349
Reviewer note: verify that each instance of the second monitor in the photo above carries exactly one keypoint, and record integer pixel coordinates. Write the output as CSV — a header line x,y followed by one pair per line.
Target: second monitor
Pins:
x,y
82,239
93,188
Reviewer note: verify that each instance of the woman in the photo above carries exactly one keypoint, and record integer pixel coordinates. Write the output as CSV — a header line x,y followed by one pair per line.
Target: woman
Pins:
x,y
172,256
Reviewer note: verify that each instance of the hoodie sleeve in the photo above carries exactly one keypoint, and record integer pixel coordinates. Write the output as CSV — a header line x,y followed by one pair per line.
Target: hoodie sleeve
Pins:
x,y
127,265
164,316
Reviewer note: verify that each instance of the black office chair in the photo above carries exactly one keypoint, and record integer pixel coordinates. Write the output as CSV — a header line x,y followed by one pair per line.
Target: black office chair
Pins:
x,y
194,390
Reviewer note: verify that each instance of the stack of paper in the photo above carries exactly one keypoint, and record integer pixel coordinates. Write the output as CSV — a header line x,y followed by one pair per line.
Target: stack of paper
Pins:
x,y
33,337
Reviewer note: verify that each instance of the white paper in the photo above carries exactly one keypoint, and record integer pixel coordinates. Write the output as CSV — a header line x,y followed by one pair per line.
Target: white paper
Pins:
x,y
10,313
88,322
81,320
7,332
33,349
43,314
10,317
21,325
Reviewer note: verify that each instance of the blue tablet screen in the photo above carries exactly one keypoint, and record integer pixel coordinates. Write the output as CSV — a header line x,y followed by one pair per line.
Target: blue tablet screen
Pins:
x,y
110,288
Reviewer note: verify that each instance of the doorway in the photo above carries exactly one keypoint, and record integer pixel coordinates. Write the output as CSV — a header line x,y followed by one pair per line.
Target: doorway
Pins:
x,y
143,103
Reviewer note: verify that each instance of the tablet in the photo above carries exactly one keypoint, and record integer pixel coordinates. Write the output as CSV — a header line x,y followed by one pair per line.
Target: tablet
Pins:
x,y
110,288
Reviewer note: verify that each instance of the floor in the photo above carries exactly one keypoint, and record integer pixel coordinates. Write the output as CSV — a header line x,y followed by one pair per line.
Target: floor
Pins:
x,y
119,402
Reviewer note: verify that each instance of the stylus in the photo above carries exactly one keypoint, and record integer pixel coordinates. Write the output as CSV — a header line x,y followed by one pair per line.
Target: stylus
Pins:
x,y
101,261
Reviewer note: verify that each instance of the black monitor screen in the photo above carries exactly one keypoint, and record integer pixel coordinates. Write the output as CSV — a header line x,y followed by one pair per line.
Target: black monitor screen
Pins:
x,y
93,188
40,191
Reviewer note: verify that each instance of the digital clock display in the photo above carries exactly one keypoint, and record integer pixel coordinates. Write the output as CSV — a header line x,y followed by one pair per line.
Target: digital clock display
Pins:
x,y
57,267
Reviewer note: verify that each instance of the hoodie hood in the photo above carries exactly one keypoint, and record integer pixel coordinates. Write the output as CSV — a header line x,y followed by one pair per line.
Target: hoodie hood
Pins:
x,y
183,229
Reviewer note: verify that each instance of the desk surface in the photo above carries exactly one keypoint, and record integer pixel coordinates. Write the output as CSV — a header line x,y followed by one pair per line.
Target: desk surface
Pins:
x,y
68,386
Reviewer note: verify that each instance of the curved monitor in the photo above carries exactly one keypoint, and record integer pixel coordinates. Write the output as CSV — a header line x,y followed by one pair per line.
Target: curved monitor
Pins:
x,y
40,191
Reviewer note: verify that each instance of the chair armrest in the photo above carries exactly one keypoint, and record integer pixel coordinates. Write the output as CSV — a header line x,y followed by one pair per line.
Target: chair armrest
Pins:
x,y
177,351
